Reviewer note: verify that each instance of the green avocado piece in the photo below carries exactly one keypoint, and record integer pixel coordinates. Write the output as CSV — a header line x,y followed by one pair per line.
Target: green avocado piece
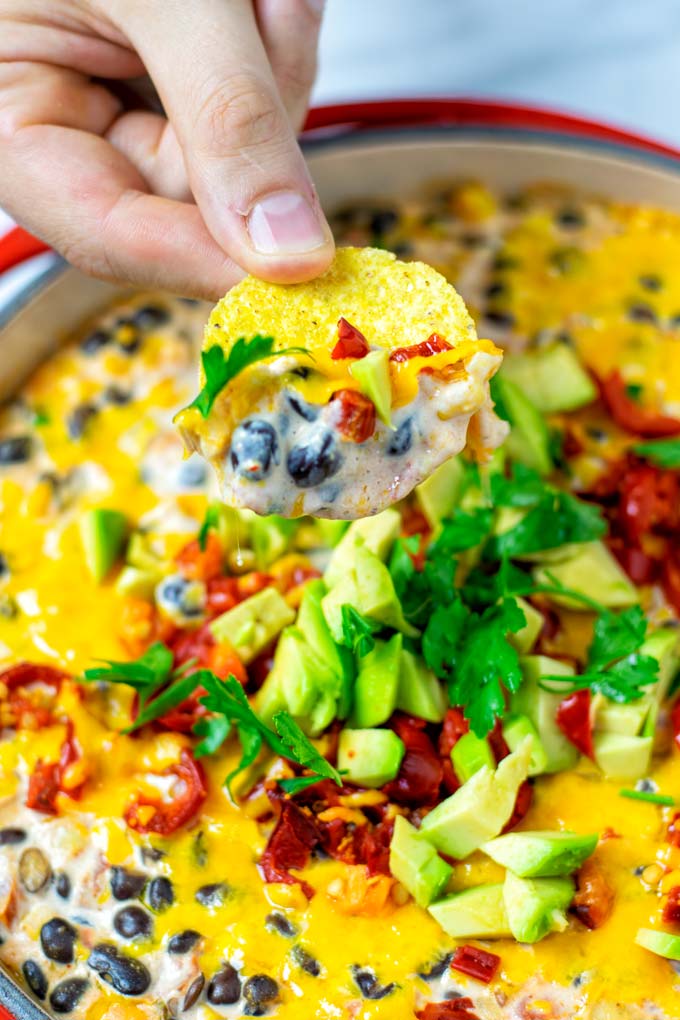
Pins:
x,y
305,677
254,623
477,811
344,593
515,729
369,757
419,693
552,378
137,581
659,942
330,531
377,682
541,853
477,913
529,439
525,639
593,571
103,533
376,597
270,538
623,757
540,707
377,533
470,754
628,720
416,864
312,623
140,554
664,646
373,375
536,906
439,494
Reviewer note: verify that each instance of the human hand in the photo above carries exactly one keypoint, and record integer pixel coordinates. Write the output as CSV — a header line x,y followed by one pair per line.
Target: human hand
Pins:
x,y
185,202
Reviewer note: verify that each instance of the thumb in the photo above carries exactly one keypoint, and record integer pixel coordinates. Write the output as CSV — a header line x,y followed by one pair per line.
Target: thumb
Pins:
x,y
245,168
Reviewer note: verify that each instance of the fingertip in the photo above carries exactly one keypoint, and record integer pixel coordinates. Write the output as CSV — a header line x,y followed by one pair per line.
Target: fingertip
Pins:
x,y
289,238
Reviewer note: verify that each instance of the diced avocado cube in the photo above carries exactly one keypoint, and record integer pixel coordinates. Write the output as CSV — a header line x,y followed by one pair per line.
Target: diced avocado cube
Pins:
x,y
525,639
540,706
592,571
377,682
416,864
541,854
271,537
420,693
481,807
331,531
140,554
312,623
477,913
517,728
470,754
254,623
622,757
270,698
439,494
377,533
103,533
369,757
377,597
552,378
629,720
529,439
536,906
372,372
137,582
664,646
305,677
659,942
344,593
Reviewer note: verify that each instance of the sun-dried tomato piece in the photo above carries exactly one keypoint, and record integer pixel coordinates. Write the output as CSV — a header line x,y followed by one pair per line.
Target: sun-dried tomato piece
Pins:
x,y
452,1009
201,564
354,415
434,344
289,846
671,909
631,416
594,898
351,342
573,718
421,772
476,963
523,800
43,787
167,817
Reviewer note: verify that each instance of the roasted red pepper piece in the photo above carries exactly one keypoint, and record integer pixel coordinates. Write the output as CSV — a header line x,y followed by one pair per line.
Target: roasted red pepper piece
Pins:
x,y
355,415
434,344
476,963
351,343
421,771
25,673
573,718
201,564
43,787
289,846
453,1009
631,416
186,801
671,909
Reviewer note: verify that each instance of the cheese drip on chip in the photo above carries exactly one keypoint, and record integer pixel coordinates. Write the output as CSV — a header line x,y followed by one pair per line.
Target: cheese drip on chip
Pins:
x,y
336,397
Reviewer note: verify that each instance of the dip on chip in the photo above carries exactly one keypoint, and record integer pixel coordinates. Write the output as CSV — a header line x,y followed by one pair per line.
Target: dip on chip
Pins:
x,y
336,397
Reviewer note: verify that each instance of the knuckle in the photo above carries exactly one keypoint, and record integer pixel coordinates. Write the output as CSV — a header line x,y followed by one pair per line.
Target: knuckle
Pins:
x,y
239,113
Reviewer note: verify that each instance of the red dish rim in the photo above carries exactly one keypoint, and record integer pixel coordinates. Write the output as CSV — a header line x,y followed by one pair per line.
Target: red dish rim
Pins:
x,y
344,119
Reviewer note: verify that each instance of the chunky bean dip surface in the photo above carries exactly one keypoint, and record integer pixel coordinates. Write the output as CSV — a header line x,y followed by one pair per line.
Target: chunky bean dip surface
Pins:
x,y
448,731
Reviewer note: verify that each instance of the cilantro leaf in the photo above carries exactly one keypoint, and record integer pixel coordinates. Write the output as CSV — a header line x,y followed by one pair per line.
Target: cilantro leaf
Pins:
x,y
664,452
214,730
301,749
443,636
151,669
357,631
298,783
557,519
624,680
219,368
461,531
251,740
523,488
616,635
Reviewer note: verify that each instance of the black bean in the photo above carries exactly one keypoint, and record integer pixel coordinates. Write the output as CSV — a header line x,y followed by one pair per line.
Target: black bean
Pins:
x,y
133,923
384,220
224,987
259,991
126,885
176,592
212,895
66,995
150,315
311,463
368,984
307,411
34,869
504,320
191,473
117,395
8,607
35,978
94,342
400,441
436,968
4,565
11,836
278,922
570,218
306,961
495,289
58,940
15,450
640,312
254,449
472,241
160,893
78,420
130,346
126,974
193,992
650,281
62,885
183,942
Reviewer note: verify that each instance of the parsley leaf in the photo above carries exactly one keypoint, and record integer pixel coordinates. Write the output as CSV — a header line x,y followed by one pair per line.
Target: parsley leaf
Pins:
x,y
297,784
357,631
460,532
214,730
664,452
301,749
171,697
557,519
220,368
616,635
151,669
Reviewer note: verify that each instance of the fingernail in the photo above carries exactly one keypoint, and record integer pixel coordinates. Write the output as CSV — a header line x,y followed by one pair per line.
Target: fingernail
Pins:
x,y
283,224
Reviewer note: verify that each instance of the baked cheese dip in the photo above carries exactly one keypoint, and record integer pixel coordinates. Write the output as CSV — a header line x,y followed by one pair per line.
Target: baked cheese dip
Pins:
x,y
374,378
423,764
